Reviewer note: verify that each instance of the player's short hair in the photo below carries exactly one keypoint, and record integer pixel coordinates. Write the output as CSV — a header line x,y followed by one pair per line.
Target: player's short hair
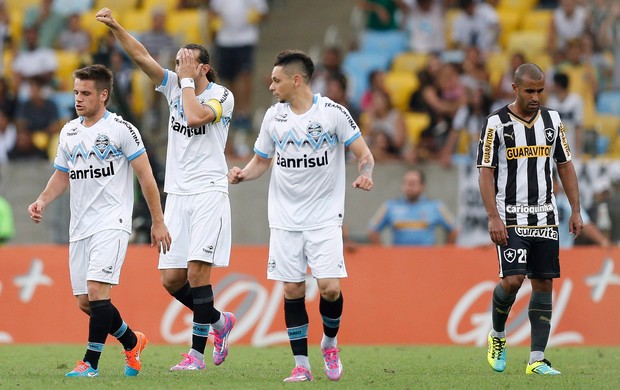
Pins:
x,y
203,58
100,74
298,59
529,70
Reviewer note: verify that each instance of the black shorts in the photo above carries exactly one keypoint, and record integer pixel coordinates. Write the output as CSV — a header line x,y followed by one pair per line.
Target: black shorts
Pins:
x,y
234,60
531,251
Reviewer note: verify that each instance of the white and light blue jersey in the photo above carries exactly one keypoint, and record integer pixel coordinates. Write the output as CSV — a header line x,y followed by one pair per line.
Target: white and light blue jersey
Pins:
x,y
98,162
195,160
412,223
307,185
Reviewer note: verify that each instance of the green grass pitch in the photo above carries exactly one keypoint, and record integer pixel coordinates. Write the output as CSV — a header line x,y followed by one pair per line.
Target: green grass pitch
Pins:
x,y
387,367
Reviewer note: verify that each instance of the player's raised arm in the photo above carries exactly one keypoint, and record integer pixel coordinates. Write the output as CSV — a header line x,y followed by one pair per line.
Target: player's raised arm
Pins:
x,y
56,185
134,49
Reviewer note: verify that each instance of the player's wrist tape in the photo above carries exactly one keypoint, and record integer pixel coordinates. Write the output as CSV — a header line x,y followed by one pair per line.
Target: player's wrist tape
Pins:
x,y
216,106
187,82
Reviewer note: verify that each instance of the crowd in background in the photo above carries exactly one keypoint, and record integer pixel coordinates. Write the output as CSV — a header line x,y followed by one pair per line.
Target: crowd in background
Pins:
x,y
419,77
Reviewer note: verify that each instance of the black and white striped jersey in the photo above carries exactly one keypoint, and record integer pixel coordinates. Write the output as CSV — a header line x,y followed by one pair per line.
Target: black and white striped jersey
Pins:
x,y
521,153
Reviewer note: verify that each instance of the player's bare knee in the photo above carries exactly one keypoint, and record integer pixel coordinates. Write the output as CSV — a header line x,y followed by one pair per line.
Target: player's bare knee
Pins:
x,y
512,283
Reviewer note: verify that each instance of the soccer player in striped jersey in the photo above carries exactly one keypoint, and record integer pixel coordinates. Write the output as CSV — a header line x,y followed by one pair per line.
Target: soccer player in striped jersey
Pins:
x,y
197,206
305,135
519,144
96,157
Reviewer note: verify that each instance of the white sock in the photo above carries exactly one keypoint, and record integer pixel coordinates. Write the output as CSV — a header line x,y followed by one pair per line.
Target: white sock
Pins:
x,y
197,355
536,356
328,342
501,335
219,324
302,360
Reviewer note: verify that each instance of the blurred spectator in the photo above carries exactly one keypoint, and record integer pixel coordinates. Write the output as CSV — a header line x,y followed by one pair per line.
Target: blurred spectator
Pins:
x,y
69,7
477,25
74,38
413,219
570,107
8,135
425,23
474,71
376,82
47,21
609,38
337,91
568,23
503,93
120,101
7,100
105,48
468,120
235,43
33,62
329,66
7,228
381,14
5,32
443,98
24,148
158,42
427,78
384,127
37,116
590,231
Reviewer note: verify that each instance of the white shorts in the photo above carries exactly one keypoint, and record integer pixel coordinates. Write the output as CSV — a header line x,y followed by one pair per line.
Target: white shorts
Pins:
x,y
200,229
99,258
291,253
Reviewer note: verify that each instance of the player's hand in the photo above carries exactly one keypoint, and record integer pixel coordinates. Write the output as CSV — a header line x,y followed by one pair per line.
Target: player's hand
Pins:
x,y
498,231
235,175
575,225
105,16
160,237
36,211
363,182
188,66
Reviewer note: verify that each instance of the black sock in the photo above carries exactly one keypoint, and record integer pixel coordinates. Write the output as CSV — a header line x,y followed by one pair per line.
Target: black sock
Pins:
x,y
98,329
331,312
296,319
502,303
121,331
539,312
204,315
184,295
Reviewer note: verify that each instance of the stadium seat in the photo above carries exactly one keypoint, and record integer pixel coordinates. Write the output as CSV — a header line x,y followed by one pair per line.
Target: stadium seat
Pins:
x,y
416,123
116,5
21,5
141,87
7,61
409,62
537,20
449,17
400,86
151,4
96,29
357,67
496,64
607,127
509,22
608,103
531,42
388,43
16,18
68,61
137,21
188,25
520,6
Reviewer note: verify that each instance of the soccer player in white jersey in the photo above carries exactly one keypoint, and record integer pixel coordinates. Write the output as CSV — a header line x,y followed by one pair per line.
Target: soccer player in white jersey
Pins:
x,y
96,157
197,208
305,135
519,143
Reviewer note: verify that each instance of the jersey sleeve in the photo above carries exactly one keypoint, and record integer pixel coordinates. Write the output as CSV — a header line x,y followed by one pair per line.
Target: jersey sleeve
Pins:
x,y
168,84
346,128
131,139
487,147
264,145
61,161
561,153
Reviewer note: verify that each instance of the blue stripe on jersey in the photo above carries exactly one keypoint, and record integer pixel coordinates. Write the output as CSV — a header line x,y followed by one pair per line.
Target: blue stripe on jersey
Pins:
x,y
97,347
136,154
201,330
62,169
106,115
298,332
210,85
331,322
315,99
165,80
121,331
350,140
263,155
